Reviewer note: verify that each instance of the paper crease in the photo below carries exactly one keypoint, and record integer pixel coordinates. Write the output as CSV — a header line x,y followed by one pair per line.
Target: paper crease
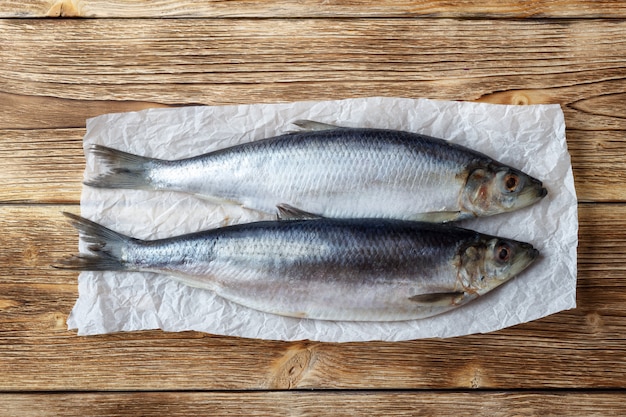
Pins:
x,y
531,138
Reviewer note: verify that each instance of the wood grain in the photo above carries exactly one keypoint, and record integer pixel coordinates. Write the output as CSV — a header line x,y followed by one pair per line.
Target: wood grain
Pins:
x,y
56,73
581,348
46,165
49,112
41,165
579,64
312,8
295,404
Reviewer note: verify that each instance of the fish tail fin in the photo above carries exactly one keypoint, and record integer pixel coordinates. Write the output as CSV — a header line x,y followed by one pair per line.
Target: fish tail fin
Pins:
x,y
83,262
125,170
105,244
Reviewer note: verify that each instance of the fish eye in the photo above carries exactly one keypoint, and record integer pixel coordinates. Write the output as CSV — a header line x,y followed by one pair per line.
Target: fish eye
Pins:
x,y
503,253
511,181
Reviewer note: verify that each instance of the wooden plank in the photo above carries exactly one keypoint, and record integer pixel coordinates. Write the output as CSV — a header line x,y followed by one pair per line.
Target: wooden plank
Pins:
x,y
78,68
293,404
598,163
70,88
312,8
27,111
54,73
581,348
41,165
46,165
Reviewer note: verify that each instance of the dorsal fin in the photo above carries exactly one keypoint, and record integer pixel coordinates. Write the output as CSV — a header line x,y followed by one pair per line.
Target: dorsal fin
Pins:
x,y
311,125
288,212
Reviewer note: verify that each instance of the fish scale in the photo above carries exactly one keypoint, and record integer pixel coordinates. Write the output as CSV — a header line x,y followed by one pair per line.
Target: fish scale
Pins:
x,y
311,166
326,269
336,172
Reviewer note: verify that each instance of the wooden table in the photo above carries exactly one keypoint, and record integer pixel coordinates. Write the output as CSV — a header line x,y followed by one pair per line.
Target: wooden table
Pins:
x,y
55,73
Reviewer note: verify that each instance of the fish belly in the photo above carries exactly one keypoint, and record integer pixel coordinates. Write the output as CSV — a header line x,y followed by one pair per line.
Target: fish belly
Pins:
x,y
335,177
321,269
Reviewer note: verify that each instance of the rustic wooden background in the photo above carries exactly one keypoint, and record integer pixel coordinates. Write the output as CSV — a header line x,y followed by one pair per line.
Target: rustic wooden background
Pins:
x,y
64,61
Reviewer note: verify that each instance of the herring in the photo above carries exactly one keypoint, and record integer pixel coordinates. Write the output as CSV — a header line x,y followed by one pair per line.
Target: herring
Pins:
x,y
337,172
321,268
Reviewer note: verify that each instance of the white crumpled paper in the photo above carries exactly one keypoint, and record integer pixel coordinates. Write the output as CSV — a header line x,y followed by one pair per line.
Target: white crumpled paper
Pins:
x,y
531,138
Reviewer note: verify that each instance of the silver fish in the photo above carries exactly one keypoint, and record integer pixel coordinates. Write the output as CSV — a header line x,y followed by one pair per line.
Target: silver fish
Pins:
x,y
337,172
325,269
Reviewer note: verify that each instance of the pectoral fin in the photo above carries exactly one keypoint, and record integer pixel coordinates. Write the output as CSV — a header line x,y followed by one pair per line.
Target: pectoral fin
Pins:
x,y
310,125
441,299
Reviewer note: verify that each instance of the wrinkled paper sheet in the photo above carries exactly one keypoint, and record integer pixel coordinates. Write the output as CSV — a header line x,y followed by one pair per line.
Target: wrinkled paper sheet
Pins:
x,y
531,138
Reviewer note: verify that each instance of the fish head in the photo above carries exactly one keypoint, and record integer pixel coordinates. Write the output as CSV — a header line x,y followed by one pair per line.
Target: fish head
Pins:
x,y
492,261
495,188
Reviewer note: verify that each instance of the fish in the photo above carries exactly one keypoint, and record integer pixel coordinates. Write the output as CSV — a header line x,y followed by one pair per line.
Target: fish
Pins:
x,y
337,172
320,268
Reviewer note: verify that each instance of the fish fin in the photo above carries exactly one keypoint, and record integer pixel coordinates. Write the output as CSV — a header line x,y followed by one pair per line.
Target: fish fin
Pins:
x,y
311,125
441,299
105,244
287,212
438,216
82,262
125,170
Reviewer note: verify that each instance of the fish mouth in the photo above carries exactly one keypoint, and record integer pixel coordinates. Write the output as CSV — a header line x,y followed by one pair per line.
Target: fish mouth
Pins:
x,y
526,256
530,251
537,186
534,254
542,192
533,192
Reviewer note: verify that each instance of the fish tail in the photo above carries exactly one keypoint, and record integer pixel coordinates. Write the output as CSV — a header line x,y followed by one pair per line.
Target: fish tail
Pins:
x,y
125,170
105,244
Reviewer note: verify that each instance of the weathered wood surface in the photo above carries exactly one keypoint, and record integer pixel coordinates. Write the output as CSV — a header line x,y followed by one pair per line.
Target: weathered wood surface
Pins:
x,y
582,348
301,404
312,8
578,64
46,165
55,73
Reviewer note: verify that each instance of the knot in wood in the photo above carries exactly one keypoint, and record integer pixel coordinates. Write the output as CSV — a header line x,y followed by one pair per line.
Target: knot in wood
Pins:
x,y
473,376
289,370
520,99
594,322
65,8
